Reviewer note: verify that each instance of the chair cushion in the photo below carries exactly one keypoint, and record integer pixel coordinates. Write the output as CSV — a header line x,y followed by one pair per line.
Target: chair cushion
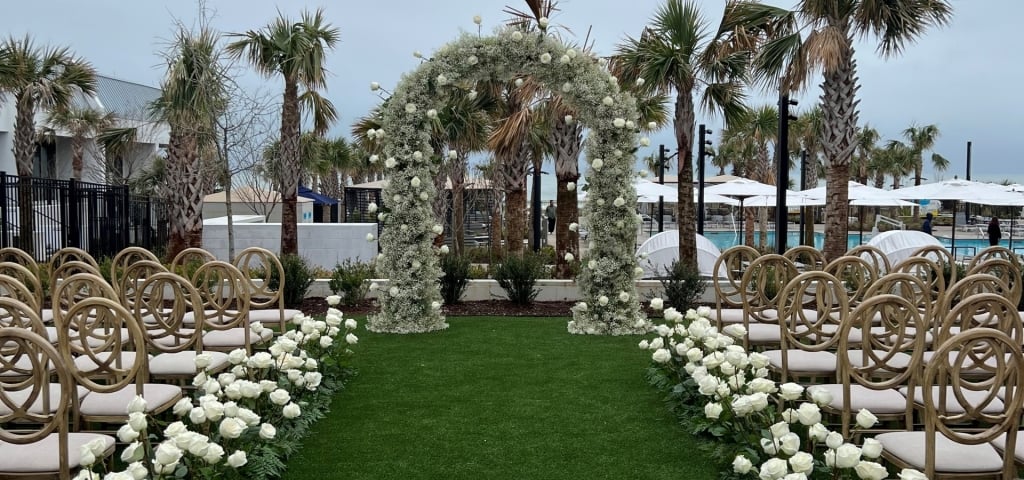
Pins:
x,y
952,405
234,337
731,315
880,402
184,363
159,397
804,362
189,318
950,456
46,315
172,341
42,456
763,333
19,397
899,360
1000,444
87,364
272,316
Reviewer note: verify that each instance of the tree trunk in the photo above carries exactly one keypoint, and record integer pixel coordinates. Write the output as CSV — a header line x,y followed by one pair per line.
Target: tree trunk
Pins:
x,y
192,190
291,168
513,170
685,213
808,211
77,154
175,197
459,204
24,149
748,226
839,112
568,140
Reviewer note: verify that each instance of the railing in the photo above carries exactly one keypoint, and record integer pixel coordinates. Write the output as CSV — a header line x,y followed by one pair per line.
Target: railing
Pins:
x,y
891,221
41,216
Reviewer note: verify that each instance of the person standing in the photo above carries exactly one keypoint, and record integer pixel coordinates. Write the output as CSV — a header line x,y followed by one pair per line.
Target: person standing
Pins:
x,y
926,227
994,232
550,214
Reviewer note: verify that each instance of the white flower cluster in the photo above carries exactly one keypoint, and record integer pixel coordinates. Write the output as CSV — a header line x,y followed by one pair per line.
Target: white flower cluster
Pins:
x,y
408,233
739,394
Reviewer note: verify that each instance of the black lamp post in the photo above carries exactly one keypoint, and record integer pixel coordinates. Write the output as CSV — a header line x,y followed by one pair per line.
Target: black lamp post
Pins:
x,y
782,173
536,208
702,152
803,184
663,158
968,178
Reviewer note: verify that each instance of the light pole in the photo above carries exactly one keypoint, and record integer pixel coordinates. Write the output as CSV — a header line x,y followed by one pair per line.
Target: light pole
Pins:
x,y
782,173
702,152
536,207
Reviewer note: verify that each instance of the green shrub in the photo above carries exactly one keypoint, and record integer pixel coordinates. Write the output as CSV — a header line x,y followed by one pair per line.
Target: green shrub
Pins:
x,y
456,278
297,279
348,280
518,277
683,286
106,265
479,272
547,252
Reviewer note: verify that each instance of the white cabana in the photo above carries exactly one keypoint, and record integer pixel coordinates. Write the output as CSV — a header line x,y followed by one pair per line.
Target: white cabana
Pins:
x,y
663,248
900,244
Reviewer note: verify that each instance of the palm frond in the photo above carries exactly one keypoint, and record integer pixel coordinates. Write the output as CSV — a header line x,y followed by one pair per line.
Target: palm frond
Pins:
x,y
320,109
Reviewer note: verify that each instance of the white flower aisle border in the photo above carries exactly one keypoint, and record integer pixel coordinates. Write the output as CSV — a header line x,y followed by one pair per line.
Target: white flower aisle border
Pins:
x,y
771,432
408,258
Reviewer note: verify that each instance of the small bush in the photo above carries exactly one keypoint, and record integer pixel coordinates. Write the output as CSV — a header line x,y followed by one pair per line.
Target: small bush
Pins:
x,y
348,280
518,276
683,286
297,279
547,252
456,278
106,265
479,272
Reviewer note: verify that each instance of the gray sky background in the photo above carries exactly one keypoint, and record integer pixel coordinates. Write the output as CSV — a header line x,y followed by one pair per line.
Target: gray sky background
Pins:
x,y
963,77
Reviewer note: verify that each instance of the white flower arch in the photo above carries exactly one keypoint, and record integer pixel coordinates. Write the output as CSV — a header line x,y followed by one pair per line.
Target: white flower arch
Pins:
x,y
409,259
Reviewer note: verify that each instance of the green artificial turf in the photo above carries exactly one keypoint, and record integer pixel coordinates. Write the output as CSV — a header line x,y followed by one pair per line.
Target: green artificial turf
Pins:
x,y
499,398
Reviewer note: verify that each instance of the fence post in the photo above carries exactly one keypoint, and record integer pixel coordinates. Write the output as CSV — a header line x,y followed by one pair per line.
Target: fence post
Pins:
x,y
126,217
4,207
74,215
147,230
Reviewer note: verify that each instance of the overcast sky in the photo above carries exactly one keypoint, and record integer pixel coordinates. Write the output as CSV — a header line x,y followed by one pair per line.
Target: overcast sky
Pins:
x,y
963,78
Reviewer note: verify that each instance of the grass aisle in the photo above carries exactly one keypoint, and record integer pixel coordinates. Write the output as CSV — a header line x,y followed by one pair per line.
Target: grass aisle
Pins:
x,y
497,398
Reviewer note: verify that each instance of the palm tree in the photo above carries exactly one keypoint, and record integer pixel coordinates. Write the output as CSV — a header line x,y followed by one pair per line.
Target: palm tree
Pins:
x,y
192,97
896,160
923,138
296,51
807,131
867,137
819,34
676,53
82,123
38,78
760,130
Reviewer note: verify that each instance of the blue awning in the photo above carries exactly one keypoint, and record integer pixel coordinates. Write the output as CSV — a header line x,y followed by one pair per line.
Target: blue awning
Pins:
x,y
317,198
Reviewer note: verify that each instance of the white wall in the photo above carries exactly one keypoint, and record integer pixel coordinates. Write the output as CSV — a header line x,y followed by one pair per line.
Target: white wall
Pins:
x,y
323,244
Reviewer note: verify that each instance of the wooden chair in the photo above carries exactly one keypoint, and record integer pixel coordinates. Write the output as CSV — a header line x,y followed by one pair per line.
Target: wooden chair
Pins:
x,y
913,288
732,262
872,255
173,345
131,278
225,295
964,288
266,305
856,274
1009,271
993,252
71,254
19,256
944,449
806,257
124,259
762,284
113,366
943,258
187,257
42,446
812,307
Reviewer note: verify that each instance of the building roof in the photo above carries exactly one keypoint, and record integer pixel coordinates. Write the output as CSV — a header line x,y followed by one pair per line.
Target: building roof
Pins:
x,y
127,100
318,199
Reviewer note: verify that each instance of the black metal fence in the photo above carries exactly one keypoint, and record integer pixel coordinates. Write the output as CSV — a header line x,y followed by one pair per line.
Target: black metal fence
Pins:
x,y
41,216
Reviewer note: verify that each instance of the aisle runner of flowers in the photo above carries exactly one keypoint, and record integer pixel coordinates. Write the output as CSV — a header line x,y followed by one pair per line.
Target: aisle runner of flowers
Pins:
x,y
244,422
719,389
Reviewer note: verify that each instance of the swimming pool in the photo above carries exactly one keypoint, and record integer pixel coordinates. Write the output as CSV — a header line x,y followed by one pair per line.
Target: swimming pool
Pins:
x,y
724,240
971,246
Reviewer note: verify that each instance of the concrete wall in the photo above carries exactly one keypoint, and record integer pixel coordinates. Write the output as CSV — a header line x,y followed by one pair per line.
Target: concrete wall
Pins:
x,y
323,244
220,209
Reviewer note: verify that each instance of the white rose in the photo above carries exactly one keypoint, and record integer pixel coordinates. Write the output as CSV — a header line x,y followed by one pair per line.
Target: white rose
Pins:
x,y
291,411
261,360
581,306
643,345
779,429
872,448
167,453
280,397
543,22
214,453
808,414
390,162
704,312
619,122
410,108
137,404
133,452
834,440
603,300
326,342
817,432
847,456
661,355
237,356
393,291
741,465
182,407
790,391
789,443
137,420
517,35
237,459
657,303
820,396
231,428
249,389
774,468
871,471
197,415
911,474
592,264
231,409
545,57
623,297
597,164
267,431
763,385
248,416
759,401
741,405
175,429
437,229
351,339
866,419
758,360
713,410
619,201
802,462
769,446
86,457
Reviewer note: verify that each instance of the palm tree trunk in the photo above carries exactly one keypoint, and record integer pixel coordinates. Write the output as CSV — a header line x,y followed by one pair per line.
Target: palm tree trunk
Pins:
x,y
24,150
290,168
514,172
808,211
459,204
686,213
839,112
175,197
193,191
568,141
77,154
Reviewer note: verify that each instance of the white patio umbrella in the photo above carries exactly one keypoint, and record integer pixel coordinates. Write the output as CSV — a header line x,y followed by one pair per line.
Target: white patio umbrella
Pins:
x,y
648,192
861,195
743,189
964,191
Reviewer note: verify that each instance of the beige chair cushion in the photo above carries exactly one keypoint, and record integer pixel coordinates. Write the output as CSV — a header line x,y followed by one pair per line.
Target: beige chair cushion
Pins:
x,y
46,315
22,364
899,360
764,333
87,364
42,456
804,362
170,341
159,397
950,456
882,402
830,330
952,405
234,337
731,315
184,363
189,318
272,316
19,397
1000,444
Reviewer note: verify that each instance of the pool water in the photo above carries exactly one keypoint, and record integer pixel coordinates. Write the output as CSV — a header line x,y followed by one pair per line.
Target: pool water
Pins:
x,y
724,240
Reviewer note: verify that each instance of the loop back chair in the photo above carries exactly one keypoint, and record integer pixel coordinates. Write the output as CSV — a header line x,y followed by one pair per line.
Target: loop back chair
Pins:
x,y
262,268
124,259
990,253
872,255
813,306
856,274
806,257
225,306
188,259
760,291
942,257
1009,271
732,262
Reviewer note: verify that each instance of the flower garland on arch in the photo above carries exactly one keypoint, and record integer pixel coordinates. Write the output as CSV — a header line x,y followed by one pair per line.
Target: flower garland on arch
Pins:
x,y
411,301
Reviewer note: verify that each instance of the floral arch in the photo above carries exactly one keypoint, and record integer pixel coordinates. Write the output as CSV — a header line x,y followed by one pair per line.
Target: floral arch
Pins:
x,y
411,302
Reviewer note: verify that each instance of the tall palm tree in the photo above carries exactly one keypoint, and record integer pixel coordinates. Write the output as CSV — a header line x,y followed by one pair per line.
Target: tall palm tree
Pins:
x,y
37,78
296,51
896,160
807,131
82,123
819,34
760,129
675,53
192,96
867,138
923,138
